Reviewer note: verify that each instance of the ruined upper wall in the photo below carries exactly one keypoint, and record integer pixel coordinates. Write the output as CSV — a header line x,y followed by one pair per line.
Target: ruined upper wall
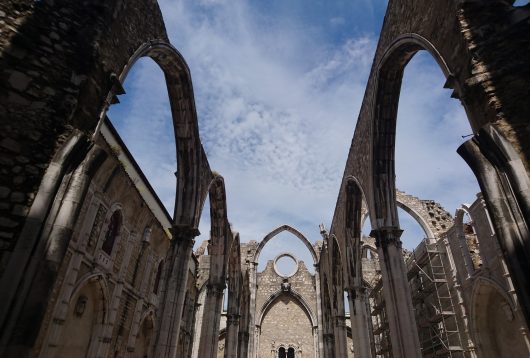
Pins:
x,y
479,46
56,62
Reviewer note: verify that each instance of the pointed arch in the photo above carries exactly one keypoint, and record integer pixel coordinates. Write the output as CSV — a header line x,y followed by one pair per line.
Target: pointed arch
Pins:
x,y
193,172
292,293
221,236
291,230
88,312
98,277
495,324
389,73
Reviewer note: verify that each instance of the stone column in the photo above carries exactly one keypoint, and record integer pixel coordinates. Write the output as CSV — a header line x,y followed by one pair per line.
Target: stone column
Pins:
x,y
320,338
26,314
199,317
232,330
22,264
328,345
360,323
341,342
175,278
257,334
316,333
396,290
52,341
213,306
252,344
464,248
136,322
243,336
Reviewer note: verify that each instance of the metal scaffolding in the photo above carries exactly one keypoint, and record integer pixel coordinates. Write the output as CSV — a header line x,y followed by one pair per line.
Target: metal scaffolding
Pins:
x,y
433,302
380,330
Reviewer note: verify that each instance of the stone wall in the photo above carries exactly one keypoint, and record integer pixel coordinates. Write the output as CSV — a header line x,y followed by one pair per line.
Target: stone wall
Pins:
x,y
56,59
126,276
286,324
285,320
492,317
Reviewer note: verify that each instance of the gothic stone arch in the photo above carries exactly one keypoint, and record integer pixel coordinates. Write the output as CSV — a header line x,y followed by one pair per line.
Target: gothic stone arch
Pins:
x,y
293,231
71,90
494,323
467,56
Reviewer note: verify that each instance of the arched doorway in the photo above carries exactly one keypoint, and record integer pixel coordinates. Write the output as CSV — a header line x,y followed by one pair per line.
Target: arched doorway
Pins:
x,y
495,324
286,327
144,338
86,313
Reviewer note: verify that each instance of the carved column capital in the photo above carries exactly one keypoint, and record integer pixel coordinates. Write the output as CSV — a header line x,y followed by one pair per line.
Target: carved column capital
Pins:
x,y
328,337
232,319
216,289
356,292
184,233
388,235
340,321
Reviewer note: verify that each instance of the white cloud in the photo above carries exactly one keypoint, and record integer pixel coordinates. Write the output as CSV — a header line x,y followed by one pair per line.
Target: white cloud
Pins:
x,y
277,113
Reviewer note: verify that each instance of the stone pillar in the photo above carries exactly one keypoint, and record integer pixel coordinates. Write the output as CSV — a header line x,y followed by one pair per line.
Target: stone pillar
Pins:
x,y
232,330
136,322
175,278
252,344
243,339
199,317
257,334
316,333
341,342
328,345
190,324
396,290
25,316
464,248
52,341
360,323
243,336
319,344
213,305
22,264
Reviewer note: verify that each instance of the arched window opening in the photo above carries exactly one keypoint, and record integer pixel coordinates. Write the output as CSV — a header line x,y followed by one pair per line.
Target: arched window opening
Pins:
x,y
158,277
366,226
113,230
413,233
281,353
290,353
285,265
144,122
346,304
369,253
472,241
430,127
225,300
204,228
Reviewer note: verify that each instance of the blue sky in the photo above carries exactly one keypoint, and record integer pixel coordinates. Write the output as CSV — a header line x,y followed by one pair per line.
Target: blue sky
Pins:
x,y
278,86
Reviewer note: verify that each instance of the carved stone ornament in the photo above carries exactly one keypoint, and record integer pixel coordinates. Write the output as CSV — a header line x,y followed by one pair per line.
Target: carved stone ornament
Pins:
x,y
80,305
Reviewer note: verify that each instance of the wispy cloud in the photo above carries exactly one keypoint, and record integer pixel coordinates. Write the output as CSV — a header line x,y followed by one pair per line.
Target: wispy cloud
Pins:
x,y
277,105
